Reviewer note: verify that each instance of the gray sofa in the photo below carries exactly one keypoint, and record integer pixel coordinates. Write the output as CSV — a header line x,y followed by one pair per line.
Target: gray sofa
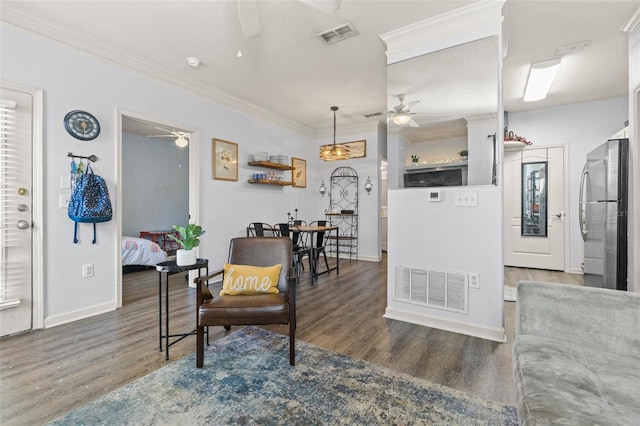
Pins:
x,y
576,355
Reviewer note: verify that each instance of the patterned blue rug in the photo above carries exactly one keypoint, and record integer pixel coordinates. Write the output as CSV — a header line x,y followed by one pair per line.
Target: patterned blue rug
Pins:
x,y
247,380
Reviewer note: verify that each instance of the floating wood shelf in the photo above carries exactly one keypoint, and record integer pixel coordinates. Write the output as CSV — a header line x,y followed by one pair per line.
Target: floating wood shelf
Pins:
x,y
270,182
269,165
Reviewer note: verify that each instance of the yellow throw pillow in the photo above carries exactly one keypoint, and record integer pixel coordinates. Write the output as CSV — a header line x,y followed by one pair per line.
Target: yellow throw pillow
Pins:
x,y
246,279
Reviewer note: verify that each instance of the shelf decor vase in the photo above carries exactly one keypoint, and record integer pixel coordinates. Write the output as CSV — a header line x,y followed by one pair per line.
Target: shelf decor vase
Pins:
x,y
185,257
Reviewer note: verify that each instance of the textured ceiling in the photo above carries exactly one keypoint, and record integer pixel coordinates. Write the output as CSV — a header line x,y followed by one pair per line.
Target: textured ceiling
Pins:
x,y
286,74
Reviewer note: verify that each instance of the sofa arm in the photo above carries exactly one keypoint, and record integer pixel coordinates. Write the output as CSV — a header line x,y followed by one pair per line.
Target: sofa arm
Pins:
x,y
596,318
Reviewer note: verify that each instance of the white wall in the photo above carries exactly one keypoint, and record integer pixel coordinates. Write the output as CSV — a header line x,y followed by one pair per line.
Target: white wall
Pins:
x,y
442,237
368,204
583,127
75,80
155,184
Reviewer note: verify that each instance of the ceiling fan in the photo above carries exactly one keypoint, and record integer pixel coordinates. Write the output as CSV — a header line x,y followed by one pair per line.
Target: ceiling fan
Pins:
x,y
182,138
402,115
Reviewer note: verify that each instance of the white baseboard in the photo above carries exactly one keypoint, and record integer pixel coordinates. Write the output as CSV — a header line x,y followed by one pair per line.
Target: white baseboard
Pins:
x,y
483,332
575,271
68,317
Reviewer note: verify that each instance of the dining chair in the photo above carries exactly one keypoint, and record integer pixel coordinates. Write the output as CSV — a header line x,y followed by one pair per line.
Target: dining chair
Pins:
x,y
318,246
259,229
250,309
302,239
298,251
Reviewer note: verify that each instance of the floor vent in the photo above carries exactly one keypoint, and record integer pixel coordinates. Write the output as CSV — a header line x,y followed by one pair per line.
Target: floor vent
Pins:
x,y
435,289
339,33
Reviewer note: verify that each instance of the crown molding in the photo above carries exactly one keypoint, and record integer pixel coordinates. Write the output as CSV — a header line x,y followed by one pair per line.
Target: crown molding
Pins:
x,y
633,23
145,68
468,23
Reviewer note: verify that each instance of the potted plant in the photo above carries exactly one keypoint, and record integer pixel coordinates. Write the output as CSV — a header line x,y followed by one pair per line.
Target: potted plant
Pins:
x,y
188,240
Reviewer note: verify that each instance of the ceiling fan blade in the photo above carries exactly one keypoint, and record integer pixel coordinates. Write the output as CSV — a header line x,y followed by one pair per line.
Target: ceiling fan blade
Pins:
x,y
326,6
407,107
160,136
412,123
249,19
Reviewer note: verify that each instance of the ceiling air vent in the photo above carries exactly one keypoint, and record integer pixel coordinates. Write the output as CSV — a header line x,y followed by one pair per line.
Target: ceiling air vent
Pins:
x,y
339,33
373,114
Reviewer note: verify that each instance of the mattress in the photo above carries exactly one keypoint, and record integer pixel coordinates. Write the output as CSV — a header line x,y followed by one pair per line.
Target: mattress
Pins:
x,y
139,251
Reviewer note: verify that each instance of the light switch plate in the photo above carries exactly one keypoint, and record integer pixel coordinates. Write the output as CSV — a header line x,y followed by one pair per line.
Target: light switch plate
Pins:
x,y
466,199
65,182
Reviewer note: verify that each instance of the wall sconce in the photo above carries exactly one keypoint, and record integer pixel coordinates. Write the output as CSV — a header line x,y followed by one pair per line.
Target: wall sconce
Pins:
x,y
368,185
323,188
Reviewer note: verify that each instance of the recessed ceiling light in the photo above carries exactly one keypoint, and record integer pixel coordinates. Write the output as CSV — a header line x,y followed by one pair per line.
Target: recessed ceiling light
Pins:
x,y
194,62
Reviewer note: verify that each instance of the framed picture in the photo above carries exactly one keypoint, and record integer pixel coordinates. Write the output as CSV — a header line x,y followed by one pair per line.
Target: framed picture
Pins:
x,y
299,172
225,160
357,149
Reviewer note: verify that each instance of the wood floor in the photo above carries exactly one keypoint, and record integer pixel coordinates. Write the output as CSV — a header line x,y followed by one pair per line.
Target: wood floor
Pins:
x,y
46,373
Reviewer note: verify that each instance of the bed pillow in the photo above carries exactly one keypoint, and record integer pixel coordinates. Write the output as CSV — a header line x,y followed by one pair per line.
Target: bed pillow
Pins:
x,y
246,279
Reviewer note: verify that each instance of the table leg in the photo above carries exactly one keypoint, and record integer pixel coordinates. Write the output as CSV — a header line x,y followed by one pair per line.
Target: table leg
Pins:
x,y
166,301
160,309
337,251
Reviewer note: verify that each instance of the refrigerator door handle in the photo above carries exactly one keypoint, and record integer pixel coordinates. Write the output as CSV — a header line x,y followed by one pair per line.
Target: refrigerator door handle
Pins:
x,y
581,204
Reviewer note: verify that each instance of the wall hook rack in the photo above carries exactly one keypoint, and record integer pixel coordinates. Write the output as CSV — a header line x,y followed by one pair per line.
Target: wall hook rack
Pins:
x,y
91,158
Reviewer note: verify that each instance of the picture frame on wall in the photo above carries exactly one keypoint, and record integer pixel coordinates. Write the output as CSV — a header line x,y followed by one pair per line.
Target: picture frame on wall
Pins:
x,y
225,160
299,172
357,149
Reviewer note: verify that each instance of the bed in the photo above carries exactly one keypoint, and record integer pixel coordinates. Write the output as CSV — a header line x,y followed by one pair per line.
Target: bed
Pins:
x,y
140,252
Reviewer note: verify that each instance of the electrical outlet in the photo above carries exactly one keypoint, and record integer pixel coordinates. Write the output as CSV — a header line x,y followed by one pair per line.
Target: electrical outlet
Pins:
x,y
474,280
87,270
64,201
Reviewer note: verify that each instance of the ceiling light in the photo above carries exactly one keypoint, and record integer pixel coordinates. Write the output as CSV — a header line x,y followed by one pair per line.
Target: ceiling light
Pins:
x,y
239,54
181,142
401,119
540,79
334,152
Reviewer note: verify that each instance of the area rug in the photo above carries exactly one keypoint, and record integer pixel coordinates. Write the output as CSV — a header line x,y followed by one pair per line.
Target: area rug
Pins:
x,y
247,380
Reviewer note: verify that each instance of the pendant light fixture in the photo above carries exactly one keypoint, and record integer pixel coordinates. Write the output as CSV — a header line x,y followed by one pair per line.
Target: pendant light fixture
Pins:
x,y
334,152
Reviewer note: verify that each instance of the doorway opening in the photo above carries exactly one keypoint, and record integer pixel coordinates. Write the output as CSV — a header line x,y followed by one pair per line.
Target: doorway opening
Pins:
x,y
157,174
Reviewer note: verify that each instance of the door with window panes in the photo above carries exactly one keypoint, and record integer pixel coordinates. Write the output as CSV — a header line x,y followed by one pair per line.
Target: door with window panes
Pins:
x,y
15,211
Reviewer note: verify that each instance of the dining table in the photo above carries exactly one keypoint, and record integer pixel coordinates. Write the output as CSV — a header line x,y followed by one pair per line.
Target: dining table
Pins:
x,y
311,230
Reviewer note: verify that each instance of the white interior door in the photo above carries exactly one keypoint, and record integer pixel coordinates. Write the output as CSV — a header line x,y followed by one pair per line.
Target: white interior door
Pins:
x,y
543,248
15,211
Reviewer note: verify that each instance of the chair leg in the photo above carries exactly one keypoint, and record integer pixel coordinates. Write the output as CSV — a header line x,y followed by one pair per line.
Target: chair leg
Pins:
x,y
199,346
292,342
326,262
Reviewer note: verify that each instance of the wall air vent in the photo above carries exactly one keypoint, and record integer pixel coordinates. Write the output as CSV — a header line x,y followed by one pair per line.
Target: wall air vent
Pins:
x,y
435,289
338,33
373,114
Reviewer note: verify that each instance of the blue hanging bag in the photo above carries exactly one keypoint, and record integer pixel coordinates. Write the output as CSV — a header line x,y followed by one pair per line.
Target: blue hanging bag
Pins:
x,y
89,202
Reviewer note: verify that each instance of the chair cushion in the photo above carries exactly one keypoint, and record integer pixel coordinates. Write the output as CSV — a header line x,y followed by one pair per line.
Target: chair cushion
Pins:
x,y
247,279
244,310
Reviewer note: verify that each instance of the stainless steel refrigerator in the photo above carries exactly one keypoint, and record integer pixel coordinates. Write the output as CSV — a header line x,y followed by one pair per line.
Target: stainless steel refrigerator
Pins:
x,y
603,215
